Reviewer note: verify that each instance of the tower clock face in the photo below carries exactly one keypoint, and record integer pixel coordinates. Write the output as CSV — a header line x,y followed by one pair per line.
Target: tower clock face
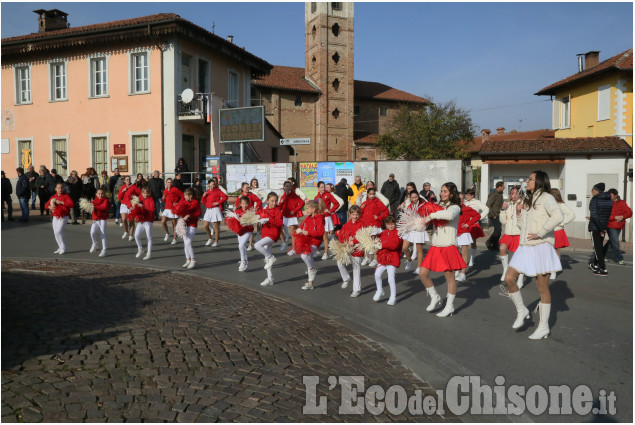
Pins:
x,y
8,122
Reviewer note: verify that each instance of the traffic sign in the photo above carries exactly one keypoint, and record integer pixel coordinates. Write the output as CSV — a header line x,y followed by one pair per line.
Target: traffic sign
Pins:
x,y
295,141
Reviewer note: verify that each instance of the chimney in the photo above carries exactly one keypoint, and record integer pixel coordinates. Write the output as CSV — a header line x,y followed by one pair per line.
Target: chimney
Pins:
x,y
500,131
51,20
230,38
485,134
591,59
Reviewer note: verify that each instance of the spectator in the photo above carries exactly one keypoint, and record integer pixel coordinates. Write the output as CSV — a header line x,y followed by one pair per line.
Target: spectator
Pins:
x,y
198,189
495,203
23,193
157,186
7,190
74,188
140,182
32,176
90,182
619,213
428,194
404,200
104,181
115,197
344,191
42,194
111,187
600,211
52,180
390,189
178,182
181,167
357,188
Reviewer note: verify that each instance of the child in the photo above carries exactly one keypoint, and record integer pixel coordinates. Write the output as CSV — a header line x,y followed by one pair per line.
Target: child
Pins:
x,y
373,213
511,232
254,200
213,199
126,193
475,230
347,235
330,218
469,216
171,197
143,214
100,215
243,232
190,210
60,205
415,238
388,259
271,220
309,238
291,205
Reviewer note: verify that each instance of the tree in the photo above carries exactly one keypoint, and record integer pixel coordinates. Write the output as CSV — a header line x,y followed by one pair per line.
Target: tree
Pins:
x,y
433,132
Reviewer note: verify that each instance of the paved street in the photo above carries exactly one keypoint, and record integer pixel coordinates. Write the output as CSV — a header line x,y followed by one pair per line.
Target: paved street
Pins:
x,y
124,331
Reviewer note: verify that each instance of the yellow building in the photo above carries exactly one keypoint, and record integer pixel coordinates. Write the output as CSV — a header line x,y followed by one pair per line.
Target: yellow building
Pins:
x,y
597,101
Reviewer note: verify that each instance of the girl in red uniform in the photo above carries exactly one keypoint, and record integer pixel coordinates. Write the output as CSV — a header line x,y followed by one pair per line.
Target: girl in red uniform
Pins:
x,y
330,218
62,204
415,238
190,210
373,213
511,232
347,235
213,199
171,197
291,205
126,193
143,214
243,232
443,256
271,221
254,200
469,216
389,259
310,238
100,215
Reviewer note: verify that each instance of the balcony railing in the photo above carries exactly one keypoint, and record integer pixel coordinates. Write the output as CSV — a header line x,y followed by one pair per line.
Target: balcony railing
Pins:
x,y
195,110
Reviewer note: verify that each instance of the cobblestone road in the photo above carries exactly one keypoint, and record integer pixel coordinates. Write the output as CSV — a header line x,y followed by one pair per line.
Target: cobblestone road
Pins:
x,y
112,344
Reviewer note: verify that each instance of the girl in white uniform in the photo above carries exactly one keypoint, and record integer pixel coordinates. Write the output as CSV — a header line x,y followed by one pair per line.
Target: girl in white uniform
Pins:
x,y
511,231
418,239
561,240
475,231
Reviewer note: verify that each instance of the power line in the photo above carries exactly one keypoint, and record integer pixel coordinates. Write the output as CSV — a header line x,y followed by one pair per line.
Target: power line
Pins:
x,y
509,106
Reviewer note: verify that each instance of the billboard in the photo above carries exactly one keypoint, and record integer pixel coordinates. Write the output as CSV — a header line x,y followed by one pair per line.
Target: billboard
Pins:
x,y
242,124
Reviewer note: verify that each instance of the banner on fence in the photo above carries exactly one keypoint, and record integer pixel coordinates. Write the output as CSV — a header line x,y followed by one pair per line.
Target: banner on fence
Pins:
x,y
270,176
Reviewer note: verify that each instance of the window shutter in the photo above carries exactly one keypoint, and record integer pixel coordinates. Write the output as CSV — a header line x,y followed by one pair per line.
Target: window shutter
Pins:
x,y
556,114
604,102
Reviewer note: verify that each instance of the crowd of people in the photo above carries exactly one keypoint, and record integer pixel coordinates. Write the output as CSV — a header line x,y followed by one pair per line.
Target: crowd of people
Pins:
x,y
354,224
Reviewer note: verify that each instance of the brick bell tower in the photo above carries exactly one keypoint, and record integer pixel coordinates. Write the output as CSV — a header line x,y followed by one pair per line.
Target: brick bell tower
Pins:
x,y
329,65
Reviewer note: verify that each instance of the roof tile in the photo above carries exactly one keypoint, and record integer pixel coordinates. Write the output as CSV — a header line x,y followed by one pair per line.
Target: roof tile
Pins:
x,y
474,145
555,146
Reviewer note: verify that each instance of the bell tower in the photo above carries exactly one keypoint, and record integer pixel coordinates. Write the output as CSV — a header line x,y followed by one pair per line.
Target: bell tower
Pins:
x,y
329,65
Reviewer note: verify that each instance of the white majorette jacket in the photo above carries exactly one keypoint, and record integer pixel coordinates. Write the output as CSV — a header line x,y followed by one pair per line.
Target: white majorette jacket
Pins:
x,y
569,216
478,206
541,218
443,236
509,219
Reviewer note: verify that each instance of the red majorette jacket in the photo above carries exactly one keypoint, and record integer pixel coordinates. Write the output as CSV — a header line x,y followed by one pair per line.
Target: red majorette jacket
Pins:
x,y
273,227
171,197
61,211
315,226
127,192
330,203
214,196
370,209
389,254
102,208
291,205
191,208
468,216
350,230
253,200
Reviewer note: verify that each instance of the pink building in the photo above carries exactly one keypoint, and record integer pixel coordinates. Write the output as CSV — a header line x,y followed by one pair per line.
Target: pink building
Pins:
x,y
109,94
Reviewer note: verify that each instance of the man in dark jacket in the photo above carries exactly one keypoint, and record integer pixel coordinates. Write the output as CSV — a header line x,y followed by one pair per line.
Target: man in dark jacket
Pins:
x,y
52,179
23,193
495,203
600,211
156,185
7,190
390,189
343,190
112,182
32,175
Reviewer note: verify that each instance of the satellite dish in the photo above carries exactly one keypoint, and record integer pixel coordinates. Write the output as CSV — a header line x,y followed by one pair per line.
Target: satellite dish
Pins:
x,y
187,95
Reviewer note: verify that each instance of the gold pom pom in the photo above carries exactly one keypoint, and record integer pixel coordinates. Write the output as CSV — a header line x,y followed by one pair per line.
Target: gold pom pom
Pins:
x,y
249,218
341,251
367,242
86,205
134,201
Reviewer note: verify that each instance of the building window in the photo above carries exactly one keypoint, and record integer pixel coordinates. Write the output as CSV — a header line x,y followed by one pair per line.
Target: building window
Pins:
x,y
140,154
604,102
355,109
336,113
232,84
313,7
60,156
186,72
336,57
336,5
383,111
100,154
336,84
335,29
140,73
562,113
58,81
25,153
23,84
203,76
298,100
98,77
313,32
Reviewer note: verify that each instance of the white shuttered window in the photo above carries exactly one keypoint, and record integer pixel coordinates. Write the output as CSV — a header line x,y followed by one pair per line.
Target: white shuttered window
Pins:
x,y
140,154
604,102
100,154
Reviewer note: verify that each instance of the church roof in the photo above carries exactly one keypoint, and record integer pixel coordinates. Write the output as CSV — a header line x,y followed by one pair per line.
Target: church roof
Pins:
x,y
292,79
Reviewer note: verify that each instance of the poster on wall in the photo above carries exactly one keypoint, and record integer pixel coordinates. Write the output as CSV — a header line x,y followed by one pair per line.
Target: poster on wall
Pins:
x,y
326,172
278,174
212,167
344,170
308,174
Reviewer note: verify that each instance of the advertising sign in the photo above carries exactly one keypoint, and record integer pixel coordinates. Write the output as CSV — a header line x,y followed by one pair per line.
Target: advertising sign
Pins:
x,y
120,149
212,167
242,124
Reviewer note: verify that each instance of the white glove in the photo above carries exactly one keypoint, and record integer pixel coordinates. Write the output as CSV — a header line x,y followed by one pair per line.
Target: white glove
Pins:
x,y
263,220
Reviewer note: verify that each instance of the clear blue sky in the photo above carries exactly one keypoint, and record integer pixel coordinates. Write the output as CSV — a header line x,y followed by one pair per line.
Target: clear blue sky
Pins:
x,y
483,55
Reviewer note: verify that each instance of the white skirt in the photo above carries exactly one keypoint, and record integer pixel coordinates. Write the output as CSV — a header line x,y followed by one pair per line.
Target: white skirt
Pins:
x,y
328,224
290,221
417,237
123,209
535,260
213,215
464,239
169,214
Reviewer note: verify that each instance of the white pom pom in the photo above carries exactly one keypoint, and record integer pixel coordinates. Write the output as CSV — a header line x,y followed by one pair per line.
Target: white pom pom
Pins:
x,y
86,205
52,204
249,218
410,221
231,214
134,201
181,228
342,252
367,242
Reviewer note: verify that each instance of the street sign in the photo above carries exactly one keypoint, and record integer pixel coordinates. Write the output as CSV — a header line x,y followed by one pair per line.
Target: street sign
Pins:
x,y
295,141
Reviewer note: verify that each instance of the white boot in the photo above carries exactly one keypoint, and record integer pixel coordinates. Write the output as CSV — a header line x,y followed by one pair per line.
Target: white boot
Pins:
x,y
521,280
543,325
472,255
505,260
449,307
523,312
553,276
436,299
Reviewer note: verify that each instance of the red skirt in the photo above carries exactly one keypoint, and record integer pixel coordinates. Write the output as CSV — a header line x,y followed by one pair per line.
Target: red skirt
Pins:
x,y
442,259
476,232
511,241
561,239
335,219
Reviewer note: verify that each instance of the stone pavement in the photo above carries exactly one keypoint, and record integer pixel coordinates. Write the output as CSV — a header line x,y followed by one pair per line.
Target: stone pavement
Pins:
x,y
129,344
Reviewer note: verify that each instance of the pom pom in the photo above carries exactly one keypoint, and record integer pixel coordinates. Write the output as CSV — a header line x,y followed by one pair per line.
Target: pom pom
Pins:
x,y
52,205
86,205
234,225
302,244
431,207
410,221
249,218
181,228
134,201
341,251
367,242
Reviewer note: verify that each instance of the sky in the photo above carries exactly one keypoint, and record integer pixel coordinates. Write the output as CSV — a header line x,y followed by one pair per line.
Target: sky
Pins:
x,y
489,57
